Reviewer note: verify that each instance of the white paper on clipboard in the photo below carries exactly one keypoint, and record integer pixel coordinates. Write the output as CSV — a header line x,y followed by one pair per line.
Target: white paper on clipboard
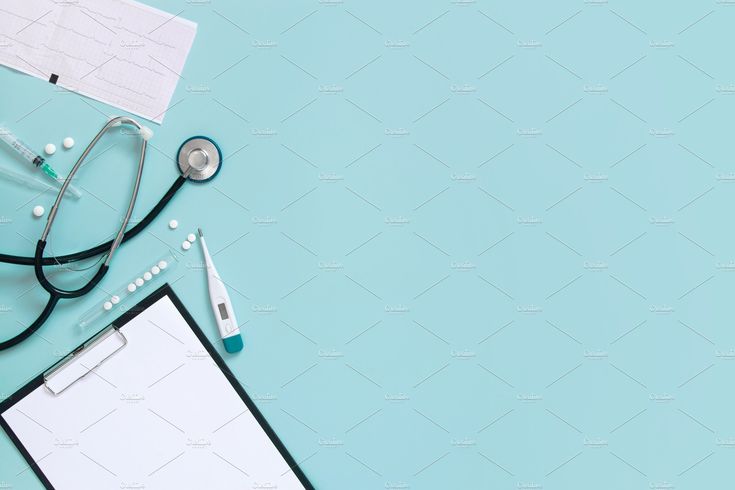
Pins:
x,y
158,414
120,52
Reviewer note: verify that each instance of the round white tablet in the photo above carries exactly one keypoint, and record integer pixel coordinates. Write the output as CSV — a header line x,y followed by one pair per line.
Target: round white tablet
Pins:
x,y
186,245
155,270
191,237
173,224
147,276
38,211
162,264
115,299
107,306
132,287
68,142
50,149
139,281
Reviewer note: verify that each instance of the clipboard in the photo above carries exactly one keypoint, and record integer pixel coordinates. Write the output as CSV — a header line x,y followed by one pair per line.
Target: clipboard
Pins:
x,y
146,403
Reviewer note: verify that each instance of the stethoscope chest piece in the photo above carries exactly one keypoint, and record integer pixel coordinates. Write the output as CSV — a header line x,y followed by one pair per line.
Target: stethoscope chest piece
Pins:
x,y
199,158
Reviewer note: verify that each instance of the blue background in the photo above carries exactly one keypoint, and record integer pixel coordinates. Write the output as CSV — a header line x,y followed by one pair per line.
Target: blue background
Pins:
x,y
474,244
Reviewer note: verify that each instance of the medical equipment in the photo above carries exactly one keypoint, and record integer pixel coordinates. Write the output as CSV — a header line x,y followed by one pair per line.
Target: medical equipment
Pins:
x,y
200,157
202,163
159,268
37,160
26,180
221,304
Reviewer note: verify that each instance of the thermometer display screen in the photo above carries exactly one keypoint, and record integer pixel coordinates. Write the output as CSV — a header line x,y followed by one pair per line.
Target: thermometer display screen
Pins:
x,y
223,311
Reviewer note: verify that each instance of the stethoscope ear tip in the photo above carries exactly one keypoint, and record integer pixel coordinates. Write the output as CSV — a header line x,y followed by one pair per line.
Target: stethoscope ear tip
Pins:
x,y
146,133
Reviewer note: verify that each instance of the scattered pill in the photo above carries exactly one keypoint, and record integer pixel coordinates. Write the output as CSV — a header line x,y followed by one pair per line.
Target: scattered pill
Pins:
x,y
173,224
107,306
147,276
38,211
50,149
191,237
68,142
155,270
139,281
162,264
186,245
132,287
115,299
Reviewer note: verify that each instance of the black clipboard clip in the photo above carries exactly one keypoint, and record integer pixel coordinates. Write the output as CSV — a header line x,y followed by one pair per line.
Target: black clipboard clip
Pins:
x,y
84,359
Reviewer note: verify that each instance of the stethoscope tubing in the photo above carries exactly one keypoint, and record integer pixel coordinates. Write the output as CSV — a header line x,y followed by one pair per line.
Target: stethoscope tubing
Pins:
x,y
82,255
102,270
102,247
33,327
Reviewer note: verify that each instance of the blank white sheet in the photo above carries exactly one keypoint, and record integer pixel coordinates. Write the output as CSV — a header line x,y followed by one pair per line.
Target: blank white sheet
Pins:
x,y
159,414
120,52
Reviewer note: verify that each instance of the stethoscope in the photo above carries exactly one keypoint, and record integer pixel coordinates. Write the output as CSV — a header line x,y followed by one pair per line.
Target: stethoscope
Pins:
x,y
199,159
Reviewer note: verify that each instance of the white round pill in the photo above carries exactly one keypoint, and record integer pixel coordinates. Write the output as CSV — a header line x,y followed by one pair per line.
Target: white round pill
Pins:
x,y
68,142
50,149
38,211
155,270
107,306
162,264
191,237
186,245
132,287
173,224
115,299
139,282
147,276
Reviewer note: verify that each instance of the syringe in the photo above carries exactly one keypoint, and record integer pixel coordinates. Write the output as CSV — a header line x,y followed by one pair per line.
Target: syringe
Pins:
x,y
37,160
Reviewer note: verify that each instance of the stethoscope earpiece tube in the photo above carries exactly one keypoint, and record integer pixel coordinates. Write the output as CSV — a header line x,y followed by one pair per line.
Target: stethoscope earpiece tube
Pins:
x,y
38,257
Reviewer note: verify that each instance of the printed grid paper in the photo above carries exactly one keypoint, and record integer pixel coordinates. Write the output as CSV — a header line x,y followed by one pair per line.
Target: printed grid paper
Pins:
x,y
120,52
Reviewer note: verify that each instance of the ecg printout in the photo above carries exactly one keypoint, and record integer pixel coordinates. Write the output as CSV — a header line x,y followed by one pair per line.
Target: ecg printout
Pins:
x,y
120,52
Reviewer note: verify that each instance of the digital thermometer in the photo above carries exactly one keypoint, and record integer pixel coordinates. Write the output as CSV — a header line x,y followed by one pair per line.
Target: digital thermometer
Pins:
x,y
221,304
